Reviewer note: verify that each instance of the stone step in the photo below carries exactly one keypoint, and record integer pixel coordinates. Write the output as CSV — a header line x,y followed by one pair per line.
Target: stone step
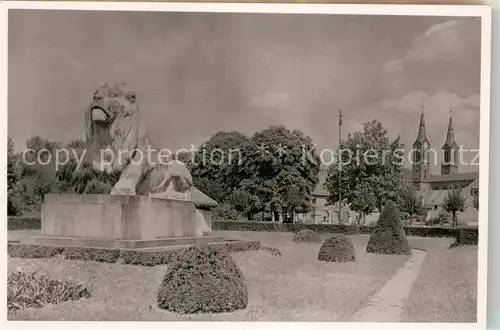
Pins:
x,y
122,244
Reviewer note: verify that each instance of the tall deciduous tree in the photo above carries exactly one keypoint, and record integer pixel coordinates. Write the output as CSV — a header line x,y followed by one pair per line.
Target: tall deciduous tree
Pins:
x,y
13,166
217,165
13,177
281,169
409,202
455,202
364,201
371,160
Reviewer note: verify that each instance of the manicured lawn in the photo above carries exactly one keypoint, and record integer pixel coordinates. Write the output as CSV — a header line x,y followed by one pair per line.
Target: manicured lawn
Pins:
x,y
446,288
295,287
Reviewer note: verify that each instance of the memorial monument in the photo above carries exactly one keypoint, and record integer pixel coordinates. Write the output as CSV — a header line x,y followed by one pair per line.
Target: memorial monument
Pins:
x,y
154,203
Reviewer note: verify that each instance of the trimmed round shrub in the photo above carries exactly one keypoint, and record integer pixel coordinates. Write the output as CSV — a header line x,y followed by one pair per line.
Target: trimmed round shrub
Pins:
x,y
307,236
337,248
388,236
202,279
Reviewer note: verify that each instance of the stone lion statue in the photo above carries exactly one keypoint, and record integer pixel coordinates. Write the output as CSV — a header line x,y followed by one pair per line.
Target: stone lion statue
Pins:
x,y
117,141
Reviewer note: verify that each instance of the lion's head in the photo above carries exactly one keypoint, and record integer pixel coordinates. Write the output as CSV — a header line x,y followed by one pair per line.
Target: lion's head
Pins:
x,y
113,125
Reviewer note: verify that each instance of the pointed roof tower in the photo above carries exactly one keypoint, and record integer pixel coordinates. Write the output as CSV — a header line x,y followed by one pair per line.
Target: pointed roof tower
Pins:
x,y
450,135
422,136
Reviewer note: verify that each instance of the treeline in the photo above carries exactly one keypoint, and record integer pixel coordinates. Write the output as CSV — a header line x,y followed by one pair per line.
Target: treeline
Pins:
x,y
29,179
267,172
273,172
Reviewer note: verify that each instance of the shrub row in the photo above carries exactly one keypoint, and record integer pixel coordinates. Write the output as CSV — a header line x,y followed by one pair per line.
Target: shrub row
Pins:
x,y
466,236
24,223
331,229
141,258
268,226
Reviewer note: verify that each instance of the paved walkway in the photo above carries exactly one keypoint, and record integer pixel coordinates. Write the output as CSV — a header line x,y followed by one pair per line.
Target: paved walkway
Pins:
x,y
387,305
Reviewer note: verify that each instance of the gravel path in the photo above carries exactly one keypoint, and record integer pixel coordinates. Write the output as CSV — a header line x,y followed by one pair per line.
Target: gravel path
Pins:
x,y
388,304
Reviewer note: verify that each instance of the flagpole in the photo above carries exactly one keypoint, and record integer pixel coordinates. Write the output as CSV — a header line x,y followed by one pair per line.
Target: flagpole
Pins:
x,y
340,168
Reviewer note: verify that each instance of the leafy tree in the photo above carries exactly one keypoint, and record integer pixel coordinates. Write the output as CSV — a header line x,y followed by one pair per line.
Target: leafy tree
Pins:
x,y
13,169
455,202
364,201
226,211
369,158
244,202
410,202
216,167
13,176
281,169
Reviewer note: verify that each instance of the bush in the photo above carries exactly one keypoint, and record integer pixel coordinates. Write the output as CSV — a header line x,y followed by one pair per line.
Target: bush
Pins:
x,y
141,258
337,248
25,290
307,236
23,223
466,236
203,280
91,254
388,236
225,211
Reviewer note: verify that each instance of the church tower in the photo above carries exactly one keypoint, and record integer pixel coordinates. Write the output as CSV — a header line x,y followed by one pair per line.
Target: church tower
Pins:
x,y
420,156
449,165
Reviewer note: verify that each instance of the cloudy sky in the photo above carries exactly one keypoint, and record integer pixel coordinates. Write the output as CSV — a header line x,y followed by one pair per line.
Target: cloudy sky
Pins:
x,y
198,73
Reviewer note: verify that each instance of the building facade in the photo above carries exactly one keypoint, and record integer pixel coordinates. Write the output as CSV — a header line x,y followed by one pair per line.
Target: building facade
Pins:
x,y
433,189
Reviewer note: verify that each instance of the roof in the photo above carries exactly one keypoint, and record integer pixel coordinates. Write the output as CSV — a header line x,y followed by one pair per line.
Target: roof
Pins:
x,y
320,190
435,197
422,136
453,177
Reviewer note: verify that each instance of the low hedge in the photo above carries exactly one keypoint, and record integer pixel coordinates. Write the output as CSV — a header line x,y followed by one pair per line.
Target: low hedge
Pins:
x,y
329,229
140,258
269,226
25,223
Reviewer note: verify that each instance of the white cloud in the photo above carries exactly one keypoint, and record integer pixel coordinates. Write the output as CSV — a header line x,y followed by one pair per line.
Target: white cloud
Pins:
x,y
446,41
437,28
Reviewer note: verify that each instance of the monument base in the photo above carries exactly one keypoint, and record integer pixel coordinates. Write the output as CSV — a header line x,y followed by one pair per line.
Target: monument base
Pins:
x,y
122,222
122,244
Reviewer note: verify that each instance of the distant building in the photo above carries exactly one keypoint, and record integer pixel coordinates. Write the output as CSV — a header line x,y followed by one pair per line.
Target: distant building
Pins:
x,y
433,189
321,212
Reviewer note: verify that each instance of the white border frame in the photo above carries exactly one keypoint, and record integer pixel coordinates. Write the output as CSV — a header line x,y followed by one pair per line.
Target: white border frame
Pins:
x,y
482,11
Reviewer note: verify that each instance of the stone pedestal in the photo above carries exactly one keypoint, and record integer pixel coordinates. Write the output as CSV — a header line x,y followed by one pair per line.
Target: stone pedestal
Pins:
x,y
127,222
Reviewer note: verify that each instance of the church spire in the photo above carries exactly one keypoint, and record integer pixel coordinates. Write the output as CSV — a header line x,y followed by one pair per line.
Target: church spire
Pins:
x,y
422,136
420,157
450,151
450,135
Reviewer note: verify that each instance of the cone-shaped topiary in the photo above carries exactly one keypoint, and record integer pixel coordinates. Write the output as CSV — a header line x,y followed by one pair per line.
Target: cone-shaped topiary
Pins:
x,y
307,236
388,236
337,248
203,280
